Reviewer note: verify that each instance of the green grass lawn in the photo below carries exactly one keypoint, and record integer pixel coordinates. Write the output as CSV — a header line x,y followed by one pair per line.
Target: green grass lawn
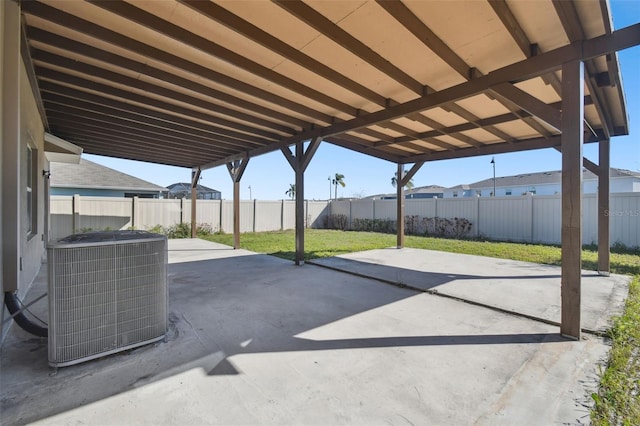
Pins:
x,y
618,399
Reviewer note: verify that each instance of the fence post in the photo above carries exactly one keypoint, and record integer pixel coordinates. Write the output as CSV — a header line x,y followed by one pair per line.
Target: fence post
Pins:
x,y
254,215
350,214
531,216
477,217
282,214
75,213
135,212
374,209
181,210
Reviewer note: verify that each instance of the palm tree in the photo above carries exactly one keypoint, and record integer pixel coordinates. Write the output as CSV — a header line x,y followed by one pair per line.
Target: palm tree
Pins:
x,y
338,179
394,181
291,192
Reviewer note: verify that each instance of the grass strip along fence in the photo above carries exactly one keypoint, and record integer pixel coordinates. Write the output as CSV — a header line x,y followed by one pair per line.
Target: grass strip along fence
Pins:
x,y
617,401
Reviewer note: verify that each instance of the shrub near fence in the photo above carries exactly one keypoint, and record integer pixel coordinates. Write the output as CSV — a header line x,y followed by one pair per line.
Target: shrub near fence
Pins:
x,y
535,219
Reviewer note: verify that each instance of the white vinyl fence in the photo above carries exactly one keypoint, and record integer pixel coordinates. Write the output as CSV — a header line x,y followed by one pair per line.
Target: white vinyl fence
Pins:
x,y
525,219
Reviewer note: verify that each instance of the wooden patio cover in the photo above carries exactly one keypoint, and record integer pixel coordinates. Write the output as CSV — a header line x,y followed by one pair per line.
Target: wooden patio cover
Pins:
x,y
200,84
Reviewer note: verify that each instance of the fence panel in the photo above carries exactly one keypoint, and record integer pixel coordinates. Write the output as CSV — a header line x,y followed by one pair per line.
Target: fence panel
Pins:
x,y
288,214
268,215
386,209
589,219
104,213
152,212
547,219
530,218
624,215
227,217
341,207
506,218
61,218
419,207
362,209
317,211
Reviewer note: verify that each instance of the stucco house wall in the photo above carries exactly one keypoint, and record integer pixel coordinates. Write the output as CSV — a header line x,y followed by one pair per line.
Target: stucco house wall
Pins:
x,y
21,128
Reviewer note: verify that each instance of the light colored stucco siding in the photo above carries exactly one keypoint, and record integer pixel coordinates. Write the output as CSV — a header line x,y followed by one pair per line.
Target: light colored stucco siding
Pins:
x,y
31,134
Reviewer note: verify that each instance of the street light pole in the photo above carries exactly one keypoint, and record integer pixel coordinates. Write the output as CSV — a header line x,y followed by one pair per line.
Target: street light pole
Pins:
x,y
250,198
329,179
493,162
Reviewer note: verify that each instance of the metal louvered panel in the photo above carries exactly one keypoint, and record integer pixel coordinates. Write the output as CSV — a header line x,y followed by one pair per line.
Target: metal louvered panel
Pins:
x,y
106,297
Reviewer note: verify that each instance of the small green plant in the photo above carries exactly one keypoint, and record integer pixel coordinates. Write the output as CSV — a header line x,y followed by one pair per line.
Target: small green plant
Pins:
x,y
157,229
179,230
336,221
617,401
386,226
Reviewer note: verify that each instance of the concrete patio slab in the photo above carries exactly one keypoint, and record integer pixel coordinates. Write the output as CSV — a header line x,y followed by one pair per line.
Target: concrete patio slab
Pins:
x,y
529,289
256,340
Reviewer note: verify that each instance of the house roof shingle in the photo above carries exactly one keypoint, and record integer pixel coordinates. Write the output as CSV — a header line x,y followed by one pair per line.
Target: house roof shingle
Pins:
x,y
88,174
540,178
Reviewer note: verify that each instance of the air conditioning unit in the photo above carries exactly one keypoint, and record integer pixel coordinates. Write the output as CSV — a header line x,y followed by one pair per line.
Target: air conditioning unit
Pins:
x,y
107,293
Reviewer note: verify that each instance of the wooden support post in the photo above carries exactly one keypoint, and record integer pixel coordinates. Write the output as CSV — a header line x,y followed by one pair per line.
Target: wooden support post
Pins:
x,y
195,177
604,239
236,170
236,214
572,140
299,205
400,207
402,179
299,164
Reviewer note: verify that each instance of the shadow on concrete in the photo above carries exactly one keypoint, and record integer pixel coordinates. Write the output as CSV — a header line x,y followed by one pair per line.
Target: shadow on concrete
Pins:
x,y
219,308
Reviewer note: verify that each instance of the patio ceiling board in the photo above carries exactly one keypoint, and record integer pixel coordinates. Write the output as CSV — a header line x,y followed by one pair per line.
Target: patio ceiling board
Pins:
x,y
443,80
114,140
158,92
132,130
67,83
137,113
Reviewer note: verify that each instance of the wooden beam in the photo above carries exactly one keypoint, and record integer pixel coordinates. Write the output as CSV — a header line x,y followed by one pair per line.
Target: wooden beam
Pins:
x,y
159,25
136,114
263,38
123,128
300,216
572,139
299,164
126,151
92,52
523,70
236,170
327,28
99,134
399,207
72,22
256,135
604,238
411,173
309,153
502,10
529,103
412,23
160,91
572,26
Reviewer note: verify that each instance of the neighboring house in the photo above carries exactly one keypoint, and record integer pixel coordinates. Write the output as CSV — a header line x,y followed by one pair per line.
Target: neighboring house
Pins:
x,y
183,190
543,183
90,179
429,191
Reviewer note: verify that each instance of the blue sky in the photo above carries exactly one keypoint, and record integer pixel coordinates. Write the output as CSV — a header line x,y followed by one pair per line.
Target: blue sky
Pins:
x,y
269,175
